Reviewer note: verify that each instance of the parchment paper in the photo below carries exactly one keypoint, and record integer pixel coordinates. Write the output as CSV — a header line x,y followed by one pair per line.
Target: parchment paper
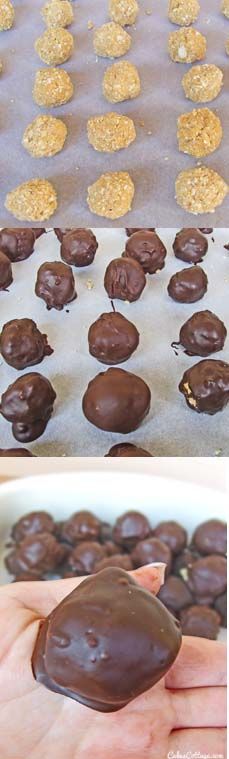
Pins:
x,y
171,428
153,160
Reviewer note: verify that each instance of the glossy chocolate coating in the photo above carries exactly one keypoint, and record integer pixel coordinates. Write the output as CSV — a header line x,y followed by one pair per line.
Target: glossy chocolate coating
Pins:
x,y
116,401
80,526
149,551
22,344
32,523
124,279
200,621
131,230
17,244
211,537
38,231
208,576
204,333
183,561
29,399
78,247
88,647
188,285
15,452
84,557
61,232
190,245
55,284
29,431
121,560
112,338
129,528
127,450
146,248
206,230
38,553
6,274
175,594
173,534
221,606
206,386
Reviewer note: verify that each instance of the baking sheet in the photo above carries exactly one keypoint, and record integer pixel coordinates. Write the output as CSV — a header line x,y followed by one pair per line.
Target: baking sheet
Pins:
x,y
171,428
153,160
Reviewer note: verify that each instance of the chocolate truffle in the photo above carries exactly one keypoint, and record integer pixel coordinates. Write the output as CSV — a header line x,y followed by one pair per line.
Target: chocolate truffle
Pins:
x,y
17,244
200,621
211,537
88,647
15,452
221,606
149,551
39,554
206,230
61,232
6,274
55,284
183,561
83,525
121,560
146,248
38,231
78,247
204,333
175,594
190,245
22,344
116,401
188,285
127,449
26,432
84,557
206,386
208,576
129,528
112,338
32,523
29,399
173,534
124,279
131,230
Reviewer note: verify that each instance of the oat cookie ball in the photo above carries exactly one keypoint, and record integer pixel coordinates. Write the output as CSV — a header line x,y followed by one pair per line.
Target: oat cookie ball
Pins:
x,y
110,132
121,82
6,15
199,132
57,13
52,87
227,46
225,8
187,45
202,83
111,196
35,200
45,136
183,12
111,41
124,12
200,190
54,46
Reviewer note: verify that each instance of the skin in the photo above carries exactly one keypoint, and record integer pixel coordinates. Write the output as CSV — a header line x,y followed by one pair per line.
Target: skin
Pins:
x,y
185,712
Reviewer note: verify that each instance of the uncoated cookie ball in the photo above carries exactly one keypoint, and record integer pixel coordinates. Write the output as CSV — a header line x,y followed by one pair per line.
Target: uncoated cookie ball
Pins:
x,y
199,132
52,87
111,196
110,132
183,12
124,12
54,46
45,136
200,190
187,45
32,201
202,83
121,82
57,13
6,15
225,8
111,40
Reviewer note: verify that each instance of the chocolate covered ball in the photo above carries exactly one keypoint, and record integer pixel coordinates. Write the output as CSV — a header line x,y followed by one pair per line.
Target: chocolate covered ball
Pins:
x,y
121,560
129,528
38,553
112,338
190,245
22,344
200,621
127,450
29,399
15,452
26,432
208,576
188,285
61,232
124,279
6,274
211,537
84,557
88,647
149,551
116,401
206,386
31,524
146,248
17,244
80,526
173,534
55,284
220,605
131,230
175,594
78,247
183,561
204,333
